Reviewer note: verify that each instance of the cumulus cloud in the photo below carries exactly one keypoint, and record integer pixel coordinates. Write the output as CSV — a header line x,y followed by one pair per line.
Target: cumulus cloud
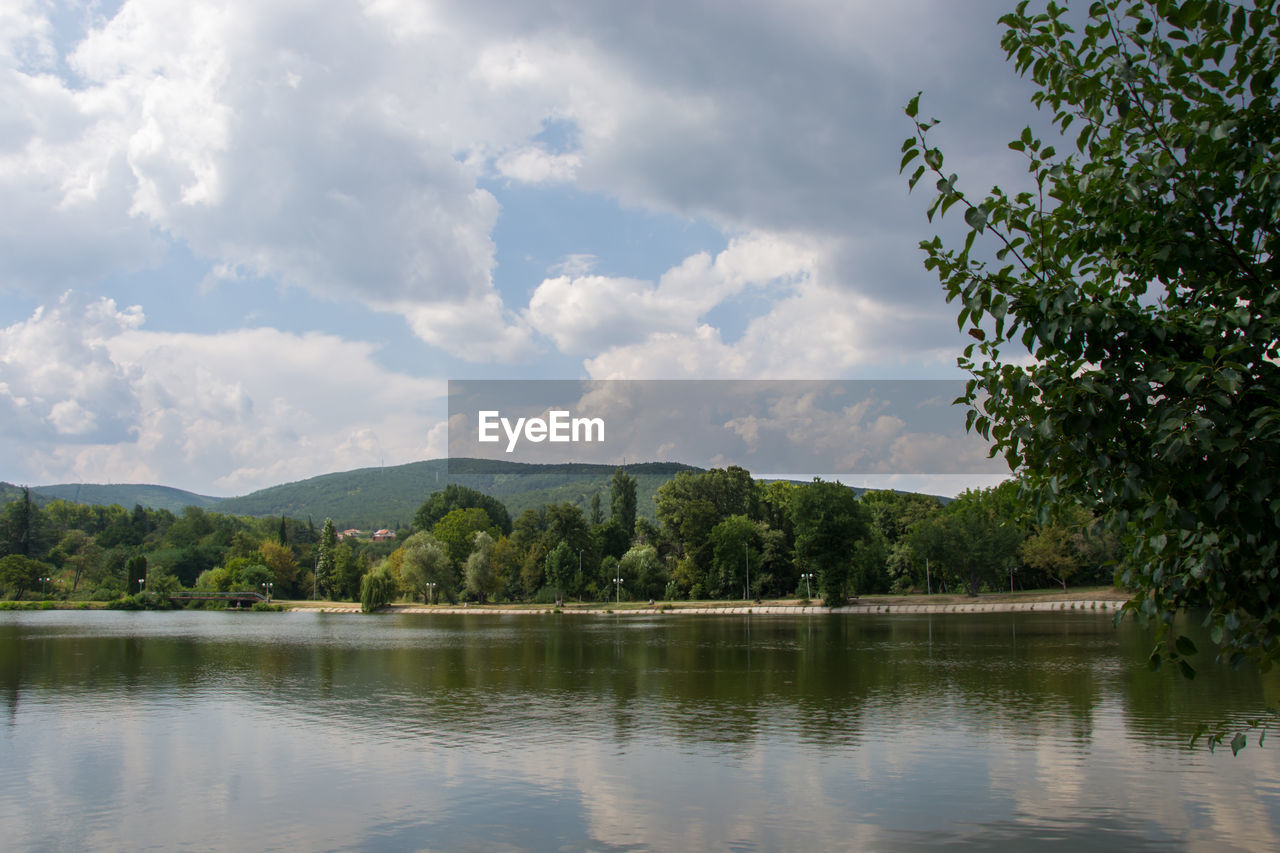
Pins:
x,y
315,156
590,313
814,329
361,154
101,398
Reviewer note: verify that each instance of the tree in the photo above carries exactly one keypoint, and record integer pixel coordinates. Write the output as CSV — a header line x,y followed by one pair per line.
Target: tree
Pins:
x,y
348,568
561,566
377,588
829,521
457,531
642,573
18,573
135,570
284,568
453,497
1051,550
425,568
735,544
324,557
1140,273
622,500
479,577
970,538
22,526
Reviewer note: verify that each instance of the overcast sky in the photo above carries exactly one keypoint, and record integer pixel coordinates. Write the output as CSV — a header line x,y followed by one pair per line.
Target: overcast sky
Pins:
x,y
243,243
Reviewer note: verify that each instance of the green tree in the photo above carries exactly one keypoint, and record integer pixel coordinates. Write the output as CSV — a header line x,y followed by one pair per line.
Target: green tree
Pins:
x,y
1140,272
453,497
735,544
561,566
377,588
324,557
1051,550
478,576
829,522
425,568
18,573
971,539
457,531
284,568
135,570
347,570
22,527
642,572
622,500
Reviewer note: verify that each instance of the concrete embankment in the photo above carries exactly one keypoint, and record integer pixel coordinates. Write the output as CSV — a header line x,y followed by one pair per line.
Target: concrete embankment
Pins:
x,y
1096,606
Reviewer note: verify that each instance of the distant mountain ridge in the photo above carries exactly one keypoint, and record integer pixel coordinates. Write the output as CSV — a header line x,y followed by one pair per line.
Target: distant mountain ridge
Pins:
x,y
370,498
387,496
126,495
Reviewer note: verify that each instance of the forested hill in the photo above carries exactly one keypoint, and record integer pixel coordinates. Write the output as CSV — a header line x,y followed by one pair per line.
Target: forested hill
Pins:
x,y
389,496
386,497
126,495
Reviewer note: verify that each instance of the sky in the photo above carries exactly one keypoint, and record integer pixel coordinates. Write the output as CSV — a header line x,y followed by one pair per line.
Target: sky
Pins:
x,y
245,243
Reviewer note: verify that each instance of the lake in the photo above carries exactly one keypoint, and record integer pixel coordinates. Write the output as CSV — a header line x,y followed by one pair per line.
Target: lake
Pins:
x,y
199,730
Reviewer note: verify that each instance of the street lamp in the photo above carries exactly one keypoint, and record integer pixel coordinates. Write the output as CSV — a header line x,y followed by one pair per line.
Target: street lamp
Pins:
x,y
141,581
42,583
618,583
267,586
431,591
808,590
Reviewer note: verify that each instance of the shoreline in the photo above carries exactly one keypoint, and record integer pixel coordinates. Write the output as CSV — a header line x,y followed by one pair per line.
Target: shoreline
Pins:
x,y
1096,604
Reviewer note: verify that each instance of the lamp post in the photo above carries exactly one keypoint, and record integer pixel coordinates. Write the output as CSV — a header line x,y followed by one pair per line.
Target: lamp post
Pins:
x,y
431,591
746,561
618,583
268,586
141,581
1012,569
43,581
808,590
579,575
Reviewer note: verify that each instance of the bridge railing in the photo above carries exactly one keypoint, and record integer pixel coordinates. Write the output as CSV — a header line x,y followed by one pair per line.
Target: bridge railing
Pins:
x,y
217,596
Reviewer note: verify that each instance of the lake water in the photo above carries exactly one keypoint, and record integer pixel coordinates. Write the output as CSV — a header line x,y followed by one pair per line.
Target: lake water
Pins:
x,y
199,730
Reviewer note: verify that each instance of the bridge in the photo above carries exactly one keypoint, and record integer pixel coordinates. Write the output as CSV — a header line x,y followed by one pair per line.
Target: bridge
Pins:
x,y
233,599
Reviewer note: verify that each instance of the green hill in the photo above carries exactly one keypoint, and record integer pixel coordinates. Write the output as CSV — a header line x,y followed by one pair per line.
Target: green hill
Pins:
x,y
9,492
365,497
386,497
370,498
127,495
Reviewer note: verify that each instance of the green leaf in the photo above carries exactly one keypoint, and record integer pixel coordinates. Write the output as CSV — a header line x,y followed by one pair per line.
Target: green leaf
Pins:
x,y
976,217
1238,743
1185,646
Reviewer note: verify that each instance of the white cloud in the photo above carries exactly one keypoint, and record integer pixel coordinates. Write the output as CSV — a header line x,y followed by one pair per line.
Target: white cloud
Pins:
x,y
815,330
238,410
536,166
590,313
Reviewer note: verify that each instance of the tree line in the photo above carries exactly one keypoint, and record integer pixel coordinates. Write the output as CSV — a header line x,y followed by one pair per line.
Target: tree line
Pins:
x,y
719,535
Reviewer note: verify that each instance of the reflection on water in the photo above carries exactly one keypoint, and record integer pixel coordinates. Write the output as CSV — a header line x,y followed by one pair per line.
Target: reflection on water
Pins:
x,y
275,731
